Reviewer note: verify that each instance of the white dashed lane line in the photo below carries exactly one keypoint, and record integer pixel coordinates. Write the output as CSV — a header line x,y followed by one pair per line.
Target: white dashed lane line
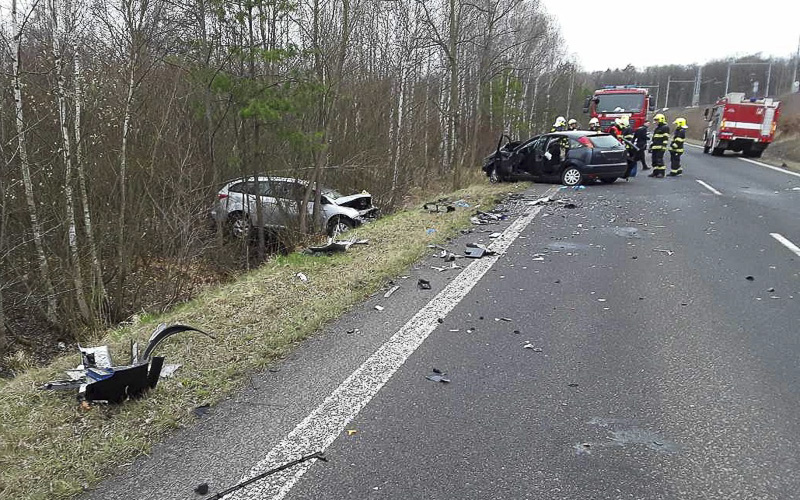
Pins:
x,y
785,242
328,420
709,187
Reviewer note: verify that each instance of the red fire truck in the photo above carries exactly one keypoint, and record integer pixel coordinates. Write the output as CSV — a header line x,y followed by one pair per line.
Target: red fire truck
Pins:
x,y
739,124
614,101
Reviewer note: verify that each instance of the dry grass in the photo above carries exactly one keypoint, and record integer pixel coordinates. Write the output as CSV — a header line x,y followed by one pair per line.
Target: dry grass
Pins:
x,y
50,448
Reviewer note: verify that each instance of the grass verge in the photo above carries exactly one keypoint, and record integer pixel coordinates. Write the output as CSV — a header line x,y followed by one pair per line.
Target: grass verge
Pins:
x,y
51,448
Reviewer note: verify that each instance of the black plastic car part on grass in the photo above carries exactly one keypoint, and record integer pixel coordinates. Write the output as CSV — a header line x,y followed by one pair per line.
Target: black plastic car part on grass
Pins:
x,y
570,158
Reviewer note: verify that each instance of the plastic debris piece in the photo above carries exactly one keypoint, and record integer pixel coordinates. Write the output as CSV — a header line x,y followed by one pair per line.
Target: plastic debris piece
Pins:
x,y
168,371
332,246
379,308
201,489
462,204
749,278
527,345
541,201
423,284
770,290
430,231
438,377
436,370
351,432
572,385
495,235
201,410
662,250
302,277
391,291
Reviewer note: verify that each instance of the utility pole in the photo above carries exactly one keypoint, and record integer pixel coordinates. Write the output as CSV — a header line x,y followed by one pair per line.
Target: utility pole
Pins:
x,y
728,79
697,82
796,57
769,75
666,97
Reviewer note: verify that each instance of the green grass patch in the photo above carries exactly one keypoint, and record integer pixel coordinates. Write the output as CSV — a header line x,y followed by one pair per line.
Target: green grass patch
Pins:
x,y
51,448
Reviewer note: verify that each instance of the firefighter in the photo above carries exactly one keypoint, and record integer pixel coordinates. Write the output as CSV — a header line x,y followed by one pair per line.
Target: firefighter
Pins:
x,y
659,145
594,125
676,148
630,148
616,129
560,124
572,124
640,138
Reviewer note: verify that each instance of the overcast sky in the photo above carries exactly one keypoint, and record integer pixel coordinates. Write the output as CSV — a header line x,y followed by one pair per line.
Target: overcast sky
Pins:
x,y
613,34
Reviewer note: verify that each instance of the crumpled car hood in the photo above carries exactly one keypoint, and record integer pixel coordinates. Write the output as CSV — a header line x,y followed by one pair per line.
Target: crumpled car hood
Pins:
x,y
361,202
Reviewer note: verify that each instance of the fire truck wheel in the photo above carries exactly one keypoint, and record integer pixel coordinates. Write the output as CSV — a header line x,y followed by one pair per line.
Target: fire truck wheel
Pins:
x,y
717,151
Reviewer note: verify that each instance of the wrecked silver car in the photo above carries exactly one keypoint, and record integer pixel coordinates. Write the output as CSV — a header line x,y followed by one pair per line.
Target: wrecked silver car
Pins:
x,y
279,199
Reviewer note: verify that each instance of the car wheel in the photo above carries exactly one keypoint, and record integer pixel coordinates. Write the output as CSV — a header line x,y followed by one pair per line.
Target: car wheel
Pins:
x,y
494,178
339,225
717,151
239,225
608,180
571,176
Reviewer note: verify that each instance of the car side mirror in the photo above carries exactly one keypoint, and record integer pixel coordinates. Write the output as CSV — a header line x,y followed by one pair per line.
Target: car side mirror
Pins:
x,y
586,104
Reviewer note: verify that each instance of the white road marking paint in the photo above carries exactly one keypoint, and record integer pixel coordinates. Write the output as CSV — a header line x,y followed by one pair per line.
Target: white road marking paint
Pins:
x,y
693,145
777,169
327,421
785,242
709,187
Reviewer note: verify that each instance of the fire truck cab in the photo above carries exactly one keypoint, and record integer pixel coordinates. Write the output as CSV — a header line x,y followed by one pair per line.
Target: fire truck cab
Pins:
x,y
739,124
614,101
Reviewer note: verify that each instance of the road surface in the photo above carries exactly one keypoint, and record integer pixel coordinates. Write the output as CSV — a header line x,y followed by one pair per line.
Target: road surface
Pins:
x,y
643,345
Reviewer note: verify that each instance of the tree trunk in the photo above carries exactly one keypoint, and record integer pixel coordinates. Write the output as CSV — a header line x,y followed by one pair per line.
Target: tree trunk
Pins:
x,y
98,286
66,155
38,240
452,117
122,254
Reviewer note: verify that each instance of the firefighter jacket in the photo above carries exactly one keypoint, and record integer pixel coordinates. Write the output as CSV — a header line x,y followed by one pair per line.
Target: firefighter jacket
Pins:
x,y
640,137
660,137
627,134
677,140
560,128
615,131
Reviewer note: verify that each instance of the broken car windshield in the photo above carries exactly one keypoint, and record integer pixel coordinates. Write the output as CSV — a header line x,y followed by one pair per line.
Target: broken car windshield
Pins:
x,y
332,193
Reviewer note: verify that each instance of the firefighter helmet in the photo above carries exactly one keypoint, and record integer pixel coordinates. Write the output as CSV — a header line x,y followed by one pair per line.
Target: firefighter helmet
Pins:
x,y
624,121
660,118
618,122
680,122
594,121
560,122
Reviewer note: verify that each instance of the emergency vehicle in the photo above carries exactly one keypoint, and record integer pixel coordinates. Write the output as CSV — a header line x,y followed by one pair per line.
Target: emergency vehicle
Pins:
x,y
739,124
614,101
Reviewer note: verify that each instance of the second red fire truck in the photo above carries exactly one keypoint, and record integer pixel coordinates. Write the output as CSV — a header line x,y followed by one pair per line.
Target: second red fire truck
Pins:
x,y
739,124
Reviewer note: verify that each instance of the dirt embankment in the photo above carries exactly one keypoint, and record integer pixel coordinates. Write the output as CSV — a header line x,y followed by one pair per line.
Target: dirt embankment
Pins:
x,y
785,148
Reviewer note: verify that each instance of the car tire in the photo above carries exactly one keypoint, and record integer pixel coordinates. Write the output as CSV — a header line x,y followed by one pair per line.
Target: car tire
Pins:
x,y
608,180
239,225
571,176
717,152
339,225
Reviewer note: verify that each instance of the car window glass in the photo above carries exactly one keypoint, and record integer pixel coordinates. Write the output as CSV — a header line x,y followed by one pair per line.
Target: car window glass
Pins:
x,y
264,188
239,187
605,141
574,144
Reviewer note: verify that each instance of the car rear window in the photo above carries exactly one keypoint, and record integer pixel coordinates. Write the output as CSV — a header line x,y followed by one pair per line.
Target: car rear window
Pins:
x,y
605,141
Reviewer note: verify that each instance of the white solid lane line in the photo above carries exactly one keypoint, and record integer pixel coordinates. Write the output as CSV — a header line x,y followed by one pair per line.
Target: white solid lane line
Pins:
x,y
693,145
785,242
777,169
709,187
328,420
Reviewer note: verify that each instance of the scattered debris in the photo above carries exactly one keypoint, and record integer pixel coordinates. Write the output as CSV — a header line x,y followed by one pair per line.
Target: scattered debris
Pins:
x,y
202,410
98,380
503,319
438,376
302,277
332,246
379,308
391,291
477,251
749,278
668,252
462,204
201,489
572,385
318,456
423,284
495,235
770,289
541,201
351,432
430,231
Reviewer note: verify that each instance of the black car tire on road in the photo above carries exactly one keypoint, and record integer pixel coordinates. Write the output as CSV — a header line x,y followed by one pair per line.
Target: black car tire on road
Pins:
x,y
608,180
571,176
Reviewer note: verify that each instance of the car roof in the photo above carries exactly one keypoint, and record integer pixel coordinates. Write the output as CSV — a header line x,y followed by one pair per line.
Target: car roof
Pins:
x,y
265,178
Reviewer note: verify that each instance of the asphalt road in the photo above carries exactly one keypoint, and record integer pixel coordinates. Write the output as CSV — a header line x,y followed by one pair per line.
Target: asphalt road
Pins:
x,y
662,361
